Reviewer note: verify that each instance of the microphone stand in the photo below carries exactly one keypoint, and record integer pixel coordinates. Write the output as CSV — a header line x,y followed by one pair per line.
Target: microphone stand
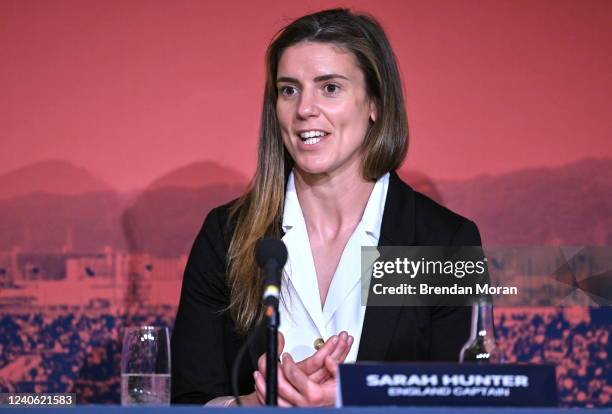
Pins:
x,y
271,256
272,322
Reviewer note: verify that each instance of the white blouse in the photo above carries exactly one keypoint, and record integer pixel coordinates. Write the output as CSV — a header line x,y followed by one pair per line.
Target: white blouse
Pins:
x,y
302,320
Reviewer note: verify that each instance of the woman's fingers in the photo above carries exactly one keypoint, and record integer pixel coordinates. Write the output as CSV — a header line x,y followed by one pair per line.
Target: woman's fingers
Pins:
x,y
342,348
336,347
332,366
310,393
320,375
314,366
349,344
261,364
281,343
316,361
260,388
339,354
287,391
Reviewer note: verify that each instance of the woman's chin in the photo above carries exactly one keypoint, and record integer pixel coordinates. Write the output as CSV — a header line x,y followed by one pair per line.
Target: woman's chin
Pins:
x,y
312,169
327,169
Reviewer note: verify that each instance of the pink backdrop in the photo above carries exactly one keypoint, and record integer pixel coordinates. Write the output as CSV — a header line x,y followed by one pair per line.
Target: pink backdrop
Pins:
x,y
134,89
123,122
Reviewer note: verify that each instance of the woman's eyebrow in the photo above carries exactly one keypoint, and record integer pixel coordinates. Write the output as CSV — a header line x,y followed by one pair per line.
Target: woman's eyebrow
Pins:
x,y
287,79
321,78
324,78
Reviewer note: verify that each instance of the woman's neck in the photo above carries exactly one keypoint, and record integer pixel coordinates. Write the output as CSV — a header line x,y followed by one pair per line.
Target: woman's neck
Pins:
x,y
332,204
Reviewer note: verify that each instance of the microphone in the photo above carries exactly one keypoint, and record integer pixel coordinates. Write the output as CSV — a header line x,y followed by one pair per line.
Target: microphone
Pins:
x,y
271,256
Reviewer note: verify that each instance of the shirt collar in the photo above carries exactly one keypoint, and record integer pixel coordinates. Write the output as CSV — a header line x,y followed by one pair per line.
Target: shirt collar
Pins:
x,y
371,220
292,212
373,213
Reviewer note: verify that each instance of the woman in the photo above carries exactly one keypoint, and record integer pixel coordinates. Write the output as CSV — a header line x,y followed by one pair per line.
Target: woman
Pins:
x,y
333,131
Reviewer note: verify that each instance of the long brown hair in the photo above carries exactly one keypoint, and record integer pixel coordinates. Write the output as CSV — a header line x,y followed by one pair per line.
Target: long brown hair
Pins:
x,y
258,212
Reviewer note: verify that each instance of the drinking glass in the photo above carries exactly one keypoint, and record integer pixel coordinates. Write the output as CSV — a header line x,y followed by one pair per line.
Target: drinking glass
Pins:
x,y
145,366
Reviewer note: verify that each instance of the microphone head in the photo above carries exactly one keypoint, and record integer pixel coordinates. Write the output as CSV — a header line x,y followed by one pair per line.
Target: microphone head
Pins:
x,y
271,249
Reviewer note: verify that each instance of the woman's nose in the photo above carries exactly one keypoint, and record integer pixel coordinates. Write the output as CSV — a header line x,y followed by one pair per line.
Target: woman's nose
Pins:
x,y
307,105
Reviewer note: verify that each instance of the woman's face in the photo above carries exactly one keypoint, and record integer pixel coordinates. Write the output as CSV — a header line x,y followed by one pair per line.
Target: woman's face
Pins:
x,y
322,107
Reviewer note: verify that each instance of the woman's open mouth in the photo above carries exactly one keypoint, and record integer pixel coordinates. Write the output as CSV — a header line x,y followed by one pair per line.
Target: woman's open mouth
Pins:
x,y
312,137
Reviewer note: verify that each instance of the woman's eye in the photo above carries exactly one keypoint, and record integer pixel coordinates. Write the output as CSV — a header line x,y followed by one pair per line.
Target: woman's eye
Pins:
x,y
331,88
287,90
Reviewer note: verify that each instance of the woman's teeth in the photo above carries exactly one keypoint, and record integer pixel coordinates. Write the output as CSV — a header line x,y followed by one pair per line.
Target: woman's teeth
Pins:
x,y
312,137
311,141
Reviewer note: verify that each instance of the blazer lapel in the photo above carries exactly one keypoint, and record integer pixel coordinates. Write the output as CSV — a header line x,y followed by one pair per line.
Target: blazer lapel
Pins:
x,y
397,229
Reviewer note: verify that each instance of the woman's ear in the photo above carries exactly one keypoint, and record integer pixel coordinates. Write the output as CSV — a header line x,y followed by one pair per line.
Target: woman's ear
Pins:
x,y
373,112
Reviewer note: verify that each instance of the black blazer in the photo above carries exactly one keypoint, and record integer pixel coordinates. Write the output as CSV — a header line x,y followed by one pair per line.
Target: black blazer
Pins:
x,y
204,344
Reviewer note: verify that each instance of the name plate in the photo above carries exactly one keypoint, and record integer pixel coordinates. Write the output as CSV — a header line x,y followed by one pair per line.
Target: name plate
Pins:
x,y
434,384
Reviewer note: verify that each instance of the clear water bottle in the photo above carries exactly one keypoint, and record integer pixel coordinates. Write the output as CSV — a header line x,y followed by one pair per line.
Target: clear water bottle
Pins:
x,y
481,347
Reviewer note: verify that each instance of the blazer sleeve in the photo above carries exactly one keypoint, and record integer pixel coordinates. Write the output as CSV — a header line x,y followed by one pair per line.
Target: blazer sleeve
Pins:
x,y
450,325
199,370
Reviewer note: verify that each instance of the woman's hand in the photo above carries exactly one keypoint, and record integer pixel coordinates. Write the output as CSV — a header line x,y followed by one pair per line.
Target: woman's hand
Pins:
x,y
248,400
310,393
296,389
315,383
337,347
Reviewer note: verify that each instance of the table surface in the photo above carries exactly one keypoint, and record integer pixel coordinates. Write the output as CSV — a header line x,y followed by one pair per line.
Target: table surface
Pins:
x,y
110,409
